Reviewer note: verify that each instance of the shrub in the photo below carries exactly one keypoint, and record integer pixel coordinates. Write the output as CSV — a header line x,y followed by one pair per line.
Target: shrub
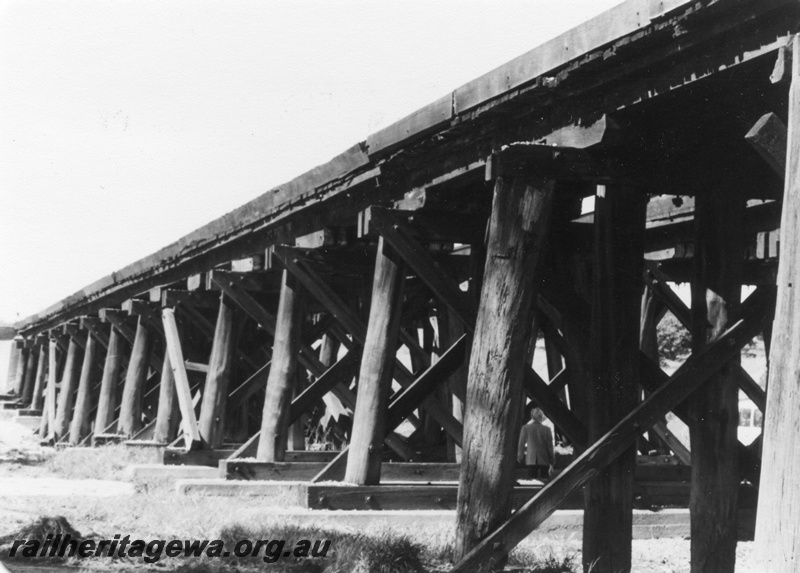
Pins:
x,y
674,341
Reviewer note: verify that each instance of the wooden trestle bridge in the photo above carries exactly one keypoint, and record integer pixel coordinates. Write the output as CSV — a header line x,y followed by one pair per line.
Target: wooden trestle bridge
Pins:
x,y
457,236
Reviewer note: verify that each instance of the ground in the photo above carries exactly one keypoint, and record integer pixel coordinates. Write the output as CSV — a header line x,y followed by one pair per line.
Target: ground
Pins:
x,y
87,487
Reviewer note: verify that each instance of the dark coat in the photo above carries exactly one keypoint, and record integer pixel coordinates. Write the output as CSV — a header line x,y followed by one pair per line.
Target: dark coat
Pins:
x,y
539,441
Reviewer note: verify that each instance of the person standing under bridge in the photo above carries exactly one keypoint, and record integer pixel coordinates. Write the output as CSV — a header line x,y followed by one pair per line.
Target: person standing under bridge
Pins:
x,y
536,447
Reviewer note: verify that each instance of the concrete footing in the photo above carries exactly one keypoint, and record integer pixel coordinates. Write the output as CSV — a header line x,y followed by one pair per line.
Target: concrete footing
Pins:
x,y
160,471
281,494
30,422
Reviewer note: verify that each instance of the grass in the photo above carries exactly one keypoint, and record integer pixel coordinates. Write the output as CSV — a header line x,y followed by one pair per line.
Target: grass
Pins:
x,y
349,551
40,528
106,462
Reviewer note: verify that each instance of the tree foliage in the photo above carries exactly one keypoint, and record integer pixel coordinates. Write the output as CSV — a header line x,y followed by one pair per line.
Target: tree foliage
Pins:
x,y
674,341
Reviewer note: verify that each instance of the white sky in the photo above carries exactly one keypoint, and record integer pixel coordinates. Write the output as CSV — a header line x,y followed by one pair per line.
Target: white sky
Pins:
x,y
124,125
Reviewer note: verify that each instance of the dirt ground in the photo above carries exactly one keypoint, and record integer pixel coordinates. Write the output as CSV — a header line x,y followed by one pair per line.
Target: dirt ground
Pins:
x,y
37,481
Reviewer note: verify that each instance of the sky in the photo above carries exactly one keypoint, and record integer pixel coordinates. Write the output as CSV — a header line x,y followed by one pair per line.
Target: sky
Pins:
x,y
125,125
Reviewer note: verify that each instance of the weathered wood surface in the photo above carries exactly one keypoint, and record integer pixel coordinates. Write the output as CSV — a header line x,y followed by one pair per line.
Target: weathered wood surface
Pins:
x,y
617,266
778,521
390,471
230,285
692,374
653,377
130,409
404,497
449,331
80,424
404,403
768,138
168,416
273,471
464,309
191,430
571,317
320,290
119,320
174,456
221,367
377,363
107,401
714,408
354,324
310,456
66,396
29,379
250,469
19,375
340,372
97,329
398,236
444,497
37,397
196,457
517,231
683,314
281,382
406,400
50,398
418,123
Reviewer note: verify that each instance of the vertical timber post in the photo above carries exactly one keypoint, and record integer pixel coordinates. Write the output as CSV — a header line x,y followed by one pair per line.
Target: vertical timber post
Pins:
x,y
617,266
168,416
69,382
14,356
777,540
714,407
30,376
328,354
296,434
220,371
377,365
648,343
281,380
107,402
517,230
19,376
49,411
79,426
41,374
130,412
450,330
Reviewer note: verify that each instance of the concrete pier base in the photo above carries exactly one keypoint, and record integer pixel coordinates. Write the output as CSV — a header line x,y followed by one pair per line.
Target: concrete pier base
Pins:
x,y
160,471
